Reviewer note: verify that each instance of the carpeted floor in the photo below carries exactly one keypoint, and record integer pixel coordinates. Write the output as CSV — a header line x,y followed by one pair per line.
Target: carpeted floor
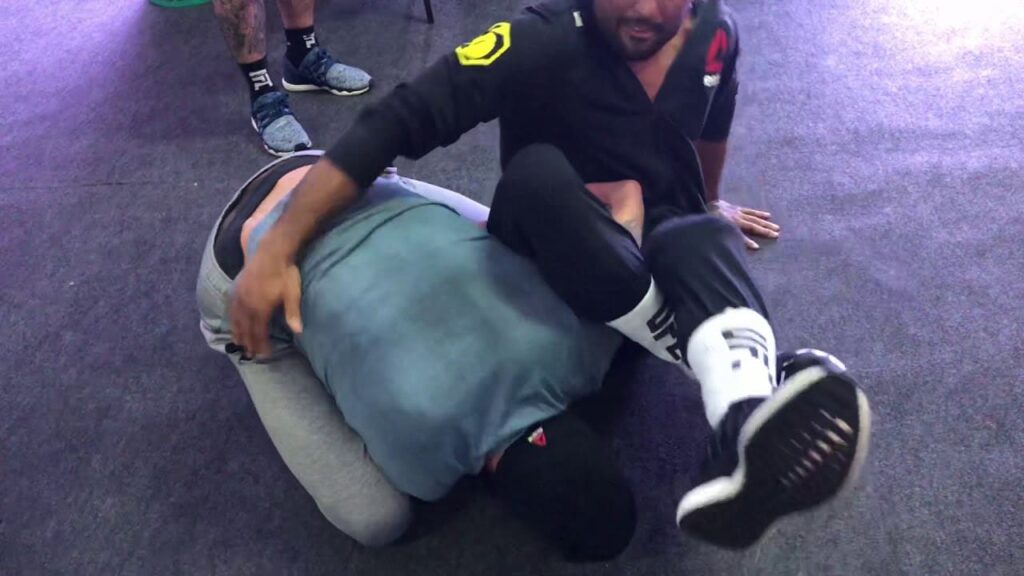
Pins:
x,y
885,136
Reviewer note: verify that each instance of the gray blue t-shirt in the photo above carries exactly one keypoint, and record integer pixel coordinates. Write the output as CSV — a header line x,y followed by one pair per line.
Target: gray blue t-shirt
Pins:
x,y
439,344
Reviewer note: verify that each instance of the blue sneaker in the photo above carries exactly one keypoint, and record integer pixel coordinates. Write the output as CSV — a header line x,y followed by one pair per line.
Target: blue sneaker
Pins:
x,y
320,71
274,122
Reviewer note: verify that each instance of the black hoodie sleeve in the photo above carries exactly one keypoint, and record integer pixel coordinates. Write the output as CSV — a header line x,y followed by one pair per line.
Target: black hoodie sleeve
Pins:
x,y
723,106
463,89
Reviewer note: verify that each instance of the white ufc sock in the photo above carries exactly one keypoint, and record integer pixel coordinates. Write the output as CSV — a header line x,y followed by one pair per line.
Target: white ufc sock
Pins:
x,y
732,354
652,325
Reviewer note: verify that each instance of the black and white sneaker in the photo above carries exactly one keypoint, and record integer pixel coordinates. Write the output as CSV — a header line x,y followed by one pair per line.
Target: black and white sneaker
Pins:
x,y
779,455
791,363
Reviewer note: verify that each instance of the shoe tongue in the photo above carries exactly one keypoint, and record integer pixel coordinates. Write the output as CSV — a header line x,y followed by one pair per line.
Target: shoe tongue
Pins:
x,y
270,99
319,60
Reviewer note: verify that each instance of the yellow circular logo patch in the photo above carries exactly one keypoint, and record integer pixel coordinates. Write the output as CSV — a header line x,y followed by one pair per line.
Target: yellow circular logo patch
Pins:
x,y
486,48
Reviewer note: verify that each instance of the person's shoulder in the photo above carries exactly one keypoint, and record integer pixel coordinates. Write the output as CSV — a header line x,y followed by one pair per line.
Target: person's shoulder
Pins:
x,y
716,25
538,37
558,22
720,15
553,10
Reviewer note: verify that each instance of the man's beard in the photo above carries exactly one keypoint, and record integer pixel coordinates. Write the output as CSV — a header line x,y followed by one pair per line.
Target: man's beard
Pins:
x,y
633,50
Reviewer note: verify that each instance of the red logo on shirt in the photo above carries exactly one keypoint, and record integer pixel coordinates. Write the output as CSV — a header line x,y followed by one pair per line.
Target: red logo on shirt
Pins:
x,y
716,53
538,438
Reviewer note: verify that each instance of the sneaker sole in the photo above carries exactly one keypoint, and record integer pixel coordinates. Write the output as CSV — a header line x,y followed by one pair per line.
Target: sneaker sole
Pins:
x,y
314,88
271,150
735,511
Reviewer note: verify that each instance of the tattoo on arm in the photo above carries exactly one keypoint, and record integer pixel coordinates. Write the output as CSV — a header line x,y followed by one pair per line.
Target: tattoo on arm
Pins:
x,y
244,25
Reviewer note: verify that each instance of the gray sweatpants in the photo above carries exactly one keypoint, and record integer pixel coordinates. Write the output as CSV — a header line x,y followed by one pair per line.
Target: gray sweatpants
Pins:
x,y
325,455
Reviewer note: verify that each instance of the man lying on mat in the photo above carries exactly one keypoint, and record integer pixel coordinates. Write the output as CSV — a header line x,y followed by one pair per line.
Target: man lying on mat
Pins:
x,y
437,348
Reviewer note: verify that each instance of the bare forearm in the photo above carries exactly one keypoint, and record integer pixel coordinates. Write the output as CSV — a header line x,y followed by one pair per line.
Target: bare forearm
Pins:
x,y
244,25
712,163
324,191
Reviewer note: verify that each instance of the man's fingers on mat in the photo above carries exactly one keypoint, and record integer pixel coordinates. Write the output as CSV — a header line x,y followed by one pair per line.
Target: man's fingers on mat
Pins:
x,y
758,213
757,227
760,222
751,245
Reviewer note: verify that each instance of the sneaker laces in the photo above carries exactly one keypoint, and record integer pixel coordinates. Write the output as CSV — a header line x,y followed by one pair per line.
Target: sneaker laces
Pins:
x,y
318,67
269,108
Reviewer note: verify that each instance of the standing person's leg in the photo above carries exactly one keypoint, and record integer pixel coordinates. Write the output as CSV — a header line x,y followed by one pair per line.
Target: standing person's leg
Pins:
x,y
542,210
297,14
326,456
244,25
773,452
307,66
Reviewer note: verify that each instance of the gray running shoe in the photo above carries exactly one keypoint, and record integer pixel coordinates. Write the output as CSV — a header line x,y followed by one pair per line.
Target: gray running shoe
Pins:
x,y
280,131
320,71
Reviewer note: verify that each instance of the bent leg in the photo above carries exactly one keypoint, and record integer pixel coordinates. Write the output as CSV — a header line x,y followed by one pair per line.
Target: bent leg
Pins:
x,y
774,452
720,316
543,211
326,456
699,263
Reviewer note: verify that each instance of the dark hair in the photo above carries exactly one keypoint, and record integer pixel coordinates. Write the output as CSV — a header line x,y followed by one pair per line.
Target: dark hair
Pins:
x,y
561,479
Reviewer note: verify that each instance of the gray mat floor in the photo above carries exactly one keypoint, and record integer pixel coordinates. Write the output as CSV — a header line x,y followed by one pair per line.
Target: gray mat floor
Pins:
x,y
885,136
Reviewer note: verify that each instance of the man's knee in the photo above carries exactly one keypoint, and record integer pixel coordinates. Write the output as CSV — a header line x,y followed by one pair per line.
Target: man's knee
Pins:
x,y
539,157
691,234
376,523
537,173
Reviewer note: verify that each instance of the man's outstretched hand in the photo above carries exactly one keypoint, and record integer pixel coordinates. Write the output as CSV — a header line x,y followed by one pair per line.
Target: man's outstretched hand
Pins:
x,y
267,281
751,222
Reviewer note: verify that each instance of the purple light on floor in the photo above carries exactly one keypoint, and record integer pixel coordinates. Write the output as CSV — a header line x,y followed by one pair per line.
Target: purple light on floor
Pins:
x,y
956,36
973,18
